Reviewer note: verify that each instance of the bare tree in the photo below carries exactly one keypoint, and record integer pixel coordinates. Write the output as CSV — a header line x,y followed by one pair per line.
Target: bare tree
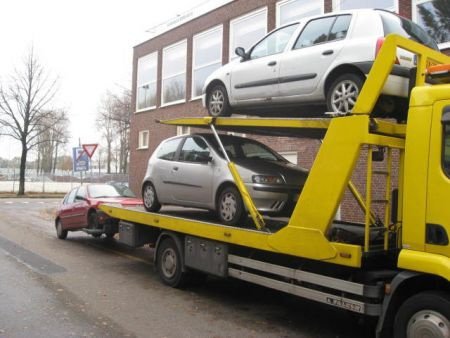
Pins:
x,y
114,119
105,123
54,134
22,107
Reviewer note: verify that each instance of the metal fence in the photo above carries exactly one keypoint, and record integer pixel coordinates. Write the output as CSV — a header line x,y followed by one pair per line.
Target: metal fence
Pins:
x,y
60,182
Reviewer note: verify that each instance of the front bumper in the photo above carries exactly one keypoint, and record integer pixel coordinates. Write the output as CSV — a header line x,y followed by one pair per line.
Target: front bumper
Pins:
x,y
272,199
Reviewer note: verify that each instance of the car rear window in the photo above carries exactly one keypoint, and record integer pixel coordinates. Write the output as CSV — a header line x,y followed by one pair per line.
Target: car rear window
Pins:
x,y
395,24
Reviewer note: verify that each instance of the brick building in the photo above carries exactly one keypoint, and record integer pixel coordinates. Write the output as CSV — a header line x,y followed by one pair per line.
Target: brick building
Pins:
x,y
170,67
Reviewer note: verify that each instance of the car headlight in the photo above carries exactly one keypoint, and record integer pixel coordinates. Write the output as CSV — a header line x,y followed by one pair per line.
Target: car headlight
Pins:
x,y
267,179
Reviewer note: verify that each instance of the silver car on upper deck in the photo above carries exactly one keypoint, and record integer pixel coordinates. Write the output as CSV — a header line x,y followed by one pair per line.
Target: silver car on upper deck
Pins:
x,y
320,60
191,171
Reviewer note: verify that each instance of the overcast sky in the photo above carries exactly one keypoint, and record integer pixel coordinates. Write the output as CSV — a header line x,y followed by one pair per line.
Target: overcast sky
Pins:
x,y
88,44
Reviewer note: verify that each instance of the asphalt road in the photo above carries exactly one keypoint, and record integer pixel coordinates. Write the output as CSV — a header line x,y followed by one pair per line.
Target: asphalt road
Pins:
x,y
86,287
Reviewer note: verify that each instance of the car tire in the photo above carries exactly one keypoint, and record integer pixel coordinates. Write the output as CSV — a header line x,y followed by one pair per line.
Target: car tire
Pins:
x,y
217,102
150,198
93,220
343,92
60,232
230,207
424,314
170,265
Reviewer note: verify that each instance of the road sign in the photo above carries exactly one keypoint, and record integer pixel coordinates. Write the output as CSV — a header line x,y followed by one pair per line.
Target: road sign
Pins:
x,y
90,149
80,159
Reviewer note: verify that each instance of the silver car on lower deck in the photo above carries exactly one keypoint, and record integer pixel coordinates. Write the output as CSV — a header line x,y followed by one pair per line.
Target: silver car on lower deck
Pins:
x,y
191,171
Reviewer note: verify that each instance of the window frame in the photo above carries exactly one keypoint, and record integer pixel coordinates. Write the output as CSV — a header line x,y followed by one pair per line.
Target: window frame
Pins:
x,y
194,68
282,3
141,144
147,83
337,6
445,122
414,13
164,65
231,53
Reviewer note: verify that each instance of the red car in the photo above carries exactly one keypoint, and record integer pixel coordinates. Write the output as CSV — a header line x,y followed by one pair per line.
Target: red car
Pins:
x,y
79,209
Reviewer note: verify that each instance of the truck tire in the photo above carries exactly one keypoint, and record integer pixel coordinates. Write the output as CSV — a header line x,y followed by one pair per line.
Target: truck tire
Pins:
x,y
217,102
230,207
426,314
60,232
170,265
343,92
93,220
150,198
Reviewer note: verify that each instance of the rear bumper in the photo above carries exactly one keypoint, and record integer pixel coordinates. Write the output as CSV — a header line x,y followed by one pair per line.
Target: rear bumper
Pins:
x,y
397,83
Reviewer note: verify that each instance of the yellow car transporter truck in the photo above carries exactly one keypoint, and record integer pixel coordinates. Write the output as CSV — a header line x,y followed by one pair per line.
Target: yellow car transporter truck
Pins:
x,y
394,267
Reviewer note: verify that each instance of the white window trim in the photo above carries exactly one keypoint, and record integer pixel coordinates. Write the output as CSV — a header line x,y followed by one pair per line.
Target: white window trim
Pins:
x,y
199,35
289,153
150,82
180,130
443,45
165,104
140,139
337,6
285,2
242,18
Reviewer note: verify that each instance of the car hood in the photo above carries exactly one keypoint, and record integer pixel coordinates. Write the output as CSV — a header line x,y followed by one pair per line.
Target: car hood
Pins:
x,y
119,200
292,174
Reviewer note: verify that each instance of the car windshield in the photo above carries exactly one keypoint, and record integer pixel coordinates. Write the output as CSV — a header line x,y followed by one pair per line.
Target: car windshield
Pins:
x,y
399,25
243,148
105,190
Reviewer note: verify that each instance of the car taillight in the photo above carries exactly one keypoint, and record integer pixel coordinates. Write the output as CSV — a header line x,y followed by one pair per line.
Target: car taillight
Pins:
x,y
380,42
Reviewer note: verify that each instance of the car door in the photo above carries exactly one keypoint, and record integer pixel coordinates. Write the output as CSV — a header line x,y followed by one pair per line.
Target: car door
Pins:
x,y
163,169
67,212
303,67
255,78
194,174
80,208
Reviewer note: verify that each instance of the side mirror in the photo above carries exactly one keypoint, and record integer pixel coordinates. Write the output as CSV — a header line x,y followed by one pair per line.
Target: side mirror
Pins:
x,y
241,52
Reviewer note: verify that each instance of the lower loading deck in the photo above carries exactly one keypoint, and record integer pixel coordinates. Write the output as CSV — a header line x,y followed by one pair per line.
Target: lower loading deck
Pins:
x,y
245,253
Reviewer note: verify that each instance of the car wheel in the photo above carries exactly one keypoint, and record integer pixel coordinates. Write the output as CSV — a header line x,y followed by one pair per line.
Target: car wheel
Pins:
x,y
169,264
150,198
343,92
93,220
426,314
230,207
60,232
217,102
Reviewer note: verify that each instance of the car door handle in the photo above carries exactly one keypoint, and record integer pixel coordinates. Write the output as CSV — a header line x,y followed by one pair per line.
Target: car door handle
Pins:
x,y
272,63
328,52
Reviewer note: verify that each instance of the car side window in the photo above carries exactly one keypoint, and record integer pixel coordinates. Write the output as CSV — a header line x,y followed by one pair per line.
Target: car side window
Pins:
x,y
195,150
340,27
71,198
168,149
273,43
81,194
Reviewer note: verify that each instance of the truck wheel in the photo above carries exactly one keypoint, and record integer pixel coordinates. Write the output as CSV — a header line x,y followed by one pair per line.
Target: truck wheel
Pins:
x,y
60,232
150,198
217,102
230,207
426,314
343,92
169,264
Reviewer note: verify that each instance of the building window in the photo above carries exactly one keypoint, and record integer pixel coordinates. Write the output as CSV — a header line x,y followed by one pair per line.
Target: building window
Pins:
x,y
146,81
293,10
340,5
207,57
432,15
246,30
183,130
174,73
143,139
